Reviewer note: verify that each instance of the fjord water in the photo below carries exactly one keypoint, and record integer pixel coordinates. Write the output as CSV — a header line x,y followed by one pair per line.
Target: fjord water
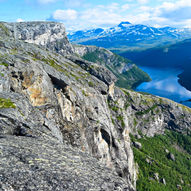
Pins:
x,y
165,84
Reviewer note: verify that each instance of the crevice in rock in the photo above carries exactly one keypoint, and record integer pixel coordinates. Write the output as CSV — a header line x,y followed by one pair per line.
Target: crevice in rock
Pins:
x,y
105,136
172,116
103,92
60,85
12,89
172,125
14,75
21,77
113,144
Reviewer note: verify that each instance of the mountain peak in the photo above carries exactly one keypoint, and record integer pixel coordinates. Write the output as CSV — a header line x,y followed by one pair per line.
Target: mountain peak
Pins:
x,y
124,24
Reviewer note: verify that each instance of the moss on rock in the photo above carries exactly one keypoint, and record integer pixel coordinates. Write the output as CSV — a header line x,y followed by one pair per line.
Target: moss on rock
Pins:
x,y
6,103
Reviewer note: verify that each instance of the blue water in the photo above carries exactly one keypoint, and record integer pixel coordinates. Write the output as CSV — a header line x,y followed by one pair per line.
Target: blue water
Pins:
x,y
165,84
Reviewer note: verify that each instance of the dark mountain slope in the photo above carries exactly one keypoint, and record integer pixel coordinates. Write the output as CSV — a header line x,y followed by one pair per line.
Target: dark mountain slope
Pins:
x,y
128,74
172,56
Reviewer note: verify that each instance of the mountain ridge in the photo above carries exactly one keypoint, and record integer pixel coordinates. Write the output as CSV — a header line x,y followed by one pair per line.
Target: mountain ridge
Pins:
x,y
128,74
128,36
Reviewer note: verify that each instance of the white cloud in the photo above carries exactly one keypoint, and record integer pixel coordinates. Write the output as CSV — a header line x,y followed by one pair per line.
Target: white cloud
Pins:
x,y
20,20
113,6
173,13
144,8
74,3
46,1
177,13
99,16
142,1
125,7
65,15
187,23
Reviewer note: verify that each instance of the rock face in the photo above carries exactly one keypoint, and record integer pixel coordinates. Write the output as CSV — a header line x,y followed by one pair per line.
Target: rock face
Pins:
x,y
48,34
67,125
55,97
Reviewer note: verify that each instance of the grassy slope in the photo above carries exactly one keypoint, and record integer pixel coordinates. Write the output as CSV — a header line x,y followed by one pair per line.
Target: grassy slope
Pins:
x,y
172,171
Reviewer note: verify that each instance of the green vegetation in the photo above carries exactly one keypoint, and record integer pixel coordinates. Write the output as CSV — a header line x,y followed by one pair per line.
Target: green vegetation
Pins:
x,y
52,63
4,29
126,105
6,103
132,78
184,77
120,118
128,97
113,106
1,74
135,122
91,84
121,59
74,76
185,108
84,93
129,79
174,172
112,120
14,51
93,57
147,110
4,64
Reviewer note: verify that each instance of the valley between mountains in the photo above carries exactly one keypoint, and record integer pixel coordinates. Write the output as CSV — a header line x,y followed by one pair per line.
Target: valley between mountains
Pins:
x,y
154,50
69,119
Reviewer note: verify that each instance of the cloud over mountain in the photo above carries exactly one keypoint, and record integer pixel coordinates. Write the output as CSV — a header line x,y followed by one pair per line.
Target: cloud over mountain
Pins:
x,y
163,13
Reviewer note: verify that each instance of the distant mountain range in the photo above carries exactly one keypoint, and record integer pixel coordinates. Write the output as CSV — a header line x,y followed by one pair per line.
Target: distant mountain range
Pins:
x,y
126,36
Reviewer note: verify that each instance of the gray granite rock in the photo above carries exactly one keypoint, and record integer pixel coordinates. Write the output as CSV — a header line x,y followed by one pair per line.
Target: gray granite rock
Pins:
x,y
163,181
137,145
171,156
29,163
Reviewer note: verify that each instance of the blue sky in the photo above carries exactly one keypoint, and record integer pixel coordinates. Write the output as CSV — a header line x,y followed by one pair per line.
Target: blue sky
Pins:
x,y
82,14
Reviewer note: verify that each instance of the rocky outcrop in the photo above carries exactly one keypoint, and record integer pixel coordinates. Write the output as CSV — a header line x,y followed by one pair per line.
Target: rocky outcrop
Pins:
x,y
150,115
47,34
80,119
